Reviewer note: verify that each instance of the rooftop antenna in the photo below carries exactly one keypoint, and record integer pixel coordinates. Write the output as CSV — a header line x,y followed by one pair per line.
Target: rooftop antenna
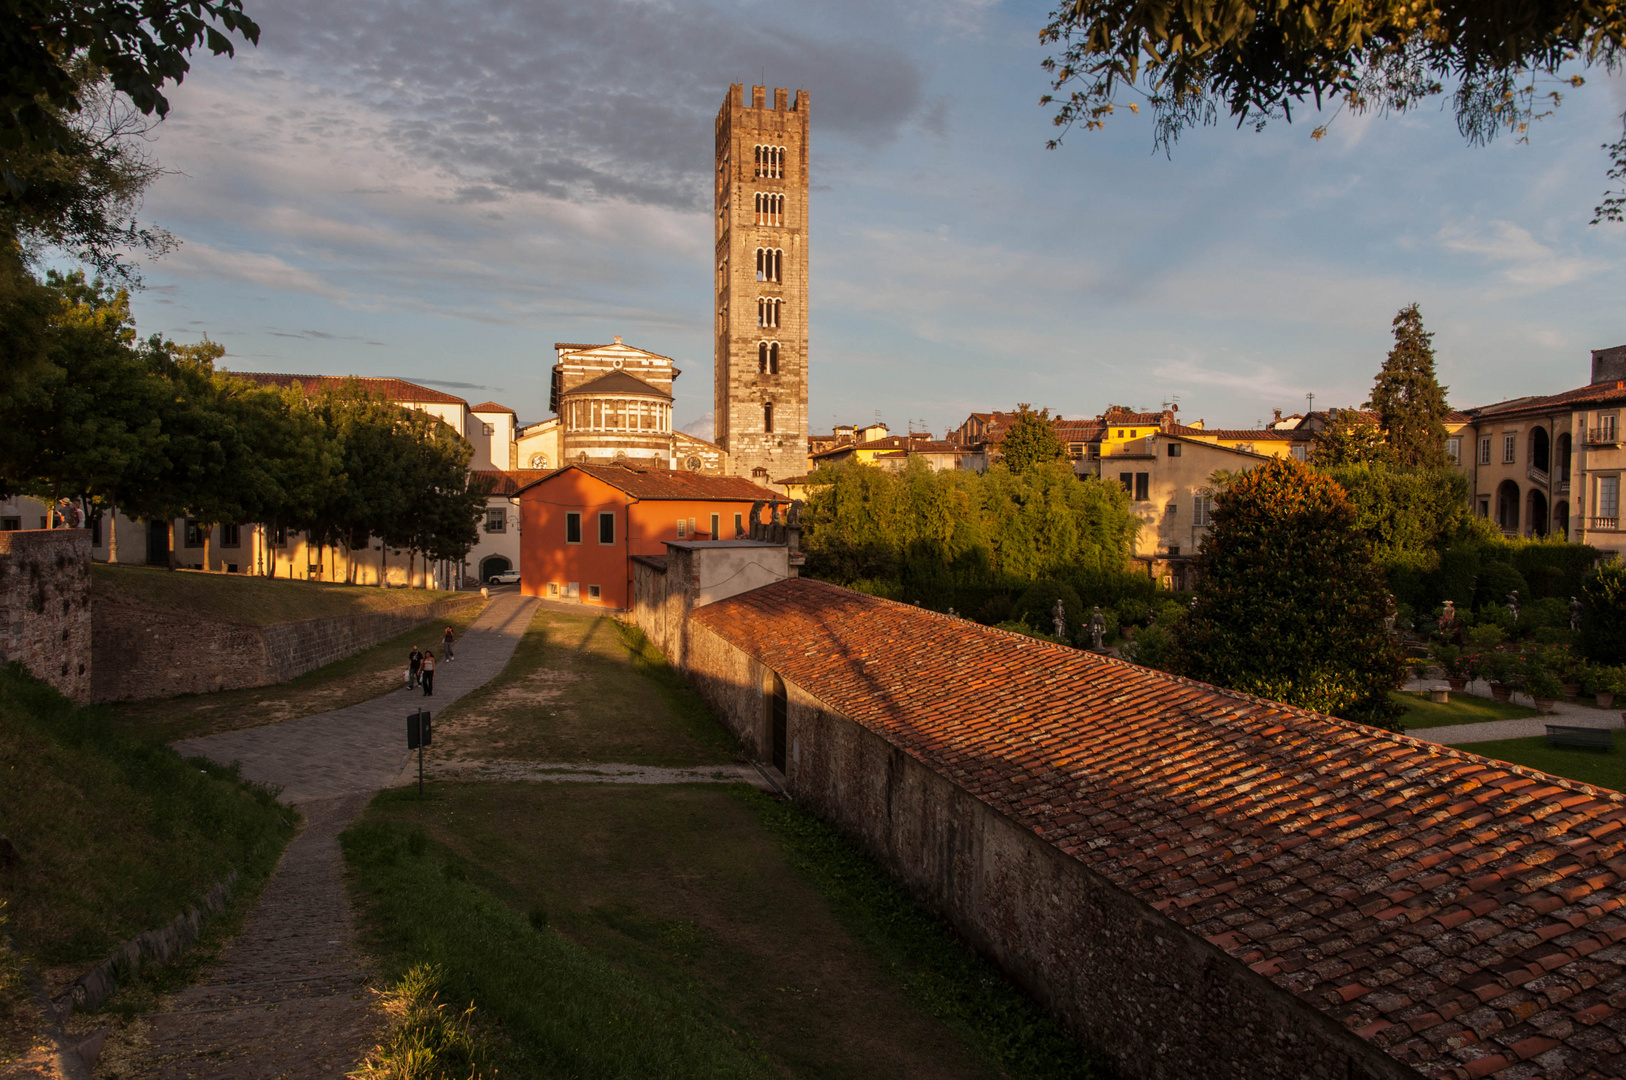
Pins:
x,y
1312,402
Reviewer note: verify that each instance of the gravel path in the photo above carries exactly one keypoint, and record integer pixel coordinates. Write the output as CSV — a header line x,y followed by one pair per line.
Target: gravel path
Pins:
x,y
289,999
1564,712
569,772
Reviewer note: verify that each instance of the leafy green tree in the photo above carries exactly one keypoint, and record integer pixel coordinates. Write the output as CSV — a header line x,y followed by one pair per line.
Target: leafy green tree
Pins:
x,y
1409,401
1031,439
1351,438
1409,515
1195,60
1290,604
1603,614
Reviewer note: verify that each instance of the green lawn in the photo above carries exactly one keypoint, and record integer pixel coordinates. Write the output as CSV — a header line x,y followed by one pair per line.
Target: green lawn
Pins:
x,y
582,688
361,677
241,598
114,834
1461,709
1599,768
661,930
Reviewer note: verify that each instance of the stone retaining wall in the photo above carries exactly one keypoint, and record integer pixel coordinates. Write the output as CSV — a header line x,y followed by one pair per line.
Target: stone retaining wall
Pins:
x,y
140,653
45,609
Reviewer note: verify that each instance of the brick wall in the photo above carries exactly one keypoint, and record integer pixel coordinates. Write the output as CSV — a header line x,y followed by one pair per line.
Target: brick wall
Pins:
x,y
45,610
142,654
1133,986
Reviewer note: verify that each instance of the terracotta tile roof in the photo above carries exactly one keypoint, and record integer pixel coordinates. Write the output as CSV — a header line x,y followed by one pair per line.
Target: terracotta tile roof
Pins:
x,y
1131,419
571,346
1596,394
390,389
1250,434
1463,915
491,406
617,382
658,484
510,481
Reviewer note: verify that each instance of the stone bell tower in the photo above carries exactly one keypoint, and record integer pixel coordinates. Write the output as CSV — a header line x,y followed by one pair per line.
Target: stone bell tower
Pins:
x,y
761,318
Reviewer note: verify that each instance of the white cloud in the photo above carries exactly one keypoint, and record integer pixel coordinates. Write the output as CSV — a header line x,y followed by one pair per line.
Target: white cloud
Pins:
x,y
197,260
1523,260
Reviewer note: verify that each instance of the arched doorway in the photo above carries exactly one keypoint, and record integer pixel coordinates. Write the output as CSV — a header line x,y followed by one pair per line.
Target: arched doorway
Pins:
x,y
493,564
1537,517
1541,458
1561,517
1507,506
1564,458
778,720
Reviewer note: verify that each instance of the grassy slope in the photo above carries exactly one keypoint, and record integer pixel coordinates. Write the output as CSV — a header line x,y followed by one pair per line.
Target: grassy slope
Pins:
x,y
361,677
1461,709
117,834
1596,767
240,598
743,930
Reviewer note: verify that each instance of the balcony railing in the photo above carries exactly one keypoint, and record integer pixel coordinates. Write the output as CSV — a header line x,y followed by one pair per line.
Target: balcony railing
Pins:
x,y
1538,476
1603,436
1606,524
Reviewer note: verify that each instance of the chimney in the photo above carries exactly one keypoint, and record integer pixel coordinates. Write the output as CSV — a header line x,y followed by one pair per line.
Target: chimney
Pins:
x,y
1608,365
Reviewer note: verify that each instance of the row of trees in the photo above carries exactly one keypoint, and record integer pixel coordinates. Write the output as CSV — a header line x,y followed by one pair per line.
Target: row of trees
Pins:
x,y
151,428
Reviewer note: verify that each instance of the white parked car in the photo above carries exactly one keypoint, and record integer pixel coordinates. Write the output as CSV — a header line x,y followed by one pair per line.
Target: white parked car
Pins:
x,y
507,577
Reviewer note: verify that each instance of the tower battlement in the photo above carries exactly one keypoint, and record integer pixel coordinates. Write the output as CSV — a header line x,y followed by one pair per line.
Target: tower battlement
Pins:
x,y
761,282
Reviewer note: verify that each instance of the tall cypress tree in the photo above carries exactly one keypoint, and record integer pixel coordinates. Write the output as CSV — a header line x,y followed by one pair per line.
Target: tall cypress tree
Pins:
x,y
1409,401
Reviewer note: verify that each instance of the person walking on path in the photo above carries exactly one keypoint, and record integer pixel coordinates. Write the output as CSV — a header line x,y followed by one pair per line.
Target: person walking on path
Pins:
x,y
446,644
414,666
427,675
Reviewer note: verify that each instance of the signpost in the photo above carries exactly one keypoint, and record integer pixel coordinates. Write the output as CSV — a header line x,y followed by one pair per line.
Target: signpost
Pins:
x,y
419,733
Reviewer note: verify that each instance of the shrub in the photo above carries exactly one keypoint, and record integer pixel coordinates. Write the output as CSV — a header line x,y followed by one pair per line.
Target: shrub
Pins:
x,y
1603,614
1152,647
1496,581
1290,602
1539,682
1035,604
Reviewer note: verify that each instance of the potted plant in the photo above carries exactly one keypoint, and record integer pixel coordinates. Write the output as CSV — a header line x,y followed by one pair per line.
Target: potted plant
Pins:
x,y
1545,687
1453,662
1609,682
1499,672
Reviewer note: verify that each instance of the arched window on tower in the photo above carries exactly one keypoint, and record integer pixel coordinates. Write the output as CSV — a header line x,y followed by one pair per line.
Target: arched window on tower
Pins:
x,y
762,264
762,358
767,418
773,358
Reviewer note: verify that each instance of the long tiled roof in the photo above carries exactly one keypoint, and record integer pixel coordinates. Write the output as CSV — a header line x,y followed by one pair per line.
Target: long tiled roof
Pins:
x,y
617,382
657,484
1462,914
490,407
1597,394
1249,434
391,389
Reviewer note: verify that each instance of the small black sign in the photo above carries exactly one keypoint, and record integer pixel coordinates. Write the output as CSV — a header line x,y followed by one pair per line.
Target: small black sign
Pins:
x,y
419,730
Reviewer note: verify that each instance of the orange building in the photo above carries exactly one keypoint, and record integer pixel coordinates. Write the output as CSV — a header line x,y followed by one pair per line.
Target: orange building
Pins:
x,y
581,527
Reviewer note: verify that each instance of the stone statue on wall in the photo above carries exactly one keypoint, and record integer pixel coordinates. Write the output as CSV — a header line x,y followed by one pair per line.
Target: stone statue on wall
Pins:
x,y
1448,618
1575,613
1513,604
1098,629
1058,619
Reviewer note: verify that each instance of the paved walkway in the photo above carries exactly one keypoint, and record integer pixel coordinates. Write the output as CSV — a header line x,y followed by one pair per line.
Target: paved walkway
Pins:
x,y
596,773
289,998
1564,712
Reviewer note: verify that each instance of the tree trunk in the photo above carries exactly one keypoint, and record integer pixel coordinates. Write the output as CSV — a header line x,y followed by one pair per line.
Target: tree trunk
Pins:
x,y
208,532
175,539
383,566
112,533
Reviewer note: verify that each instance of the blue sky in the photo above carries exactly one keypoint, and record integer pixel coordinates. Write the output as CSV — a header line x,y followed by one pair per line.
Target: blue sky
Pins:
x,y
441,191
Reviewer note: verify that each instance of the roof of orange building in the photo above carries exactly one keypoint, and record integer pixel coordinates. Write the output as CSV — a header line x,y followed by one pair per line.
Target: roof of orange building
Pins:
x,y
1462,914
391,389
510,481
657,484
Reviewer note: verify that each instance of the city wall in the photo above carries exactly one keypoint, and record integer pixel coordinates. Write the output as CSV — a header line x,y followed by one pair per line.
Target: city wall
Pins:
x,y
1133,986
45,609
140,654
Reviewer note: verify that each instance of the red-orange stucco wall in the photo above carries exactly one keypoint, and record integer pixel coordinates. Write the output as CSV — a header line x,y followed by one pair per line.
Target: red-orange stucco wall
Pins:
x,y
642,527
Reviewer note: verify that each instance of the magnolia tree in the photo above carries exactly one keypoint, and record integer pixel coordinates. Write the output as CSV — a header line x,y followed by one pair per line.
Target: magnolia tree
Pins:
x,y
1290,604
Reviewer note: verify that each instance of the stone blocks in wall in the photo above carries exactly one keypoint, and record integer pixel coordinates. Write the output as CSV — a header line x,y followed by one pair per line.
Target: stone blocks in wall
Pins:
x,y
141,654
45,609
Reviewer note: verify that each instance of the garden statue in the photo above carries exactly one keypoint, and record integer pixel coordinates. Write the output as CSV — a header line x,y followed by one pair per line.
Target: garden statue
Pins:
x,y
1058,619
1513,604
1098,629
952,613
1448,618
1575,614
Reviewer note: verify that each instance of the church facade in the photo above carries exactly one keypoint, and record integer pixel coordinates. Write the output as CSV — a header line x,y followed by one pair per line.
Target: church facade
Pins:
x,y
761,282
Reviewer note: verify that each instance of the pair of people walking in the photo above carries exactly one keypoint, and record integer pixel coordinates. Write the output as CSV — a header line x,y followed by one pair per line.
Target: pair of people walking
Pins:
x,y
421,665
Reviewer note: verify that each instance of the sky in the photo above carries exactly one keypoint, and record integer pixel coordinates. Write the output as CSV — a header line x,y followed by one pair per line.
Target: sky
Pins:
x,y
440,191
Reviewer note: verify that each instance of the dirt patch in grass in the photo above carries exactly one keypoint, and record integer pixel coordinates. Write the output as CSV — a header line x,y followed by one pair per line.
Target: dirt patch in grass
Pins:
x,y
362,677
242,598
1461,709
581,688
684,890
